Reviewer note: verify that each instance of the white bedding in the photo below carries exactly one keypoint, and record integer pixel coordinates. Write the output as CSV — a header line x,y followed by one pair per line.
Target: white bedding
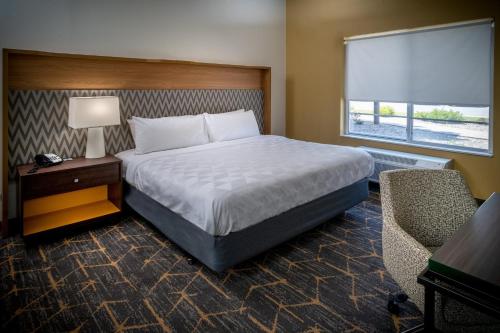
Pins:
x,y
227,186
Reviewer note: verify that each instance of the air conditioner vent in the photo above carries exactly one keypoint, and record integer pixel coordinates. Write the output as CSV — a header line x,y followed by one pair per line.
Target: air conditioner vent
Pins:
x,y
391,160
394,158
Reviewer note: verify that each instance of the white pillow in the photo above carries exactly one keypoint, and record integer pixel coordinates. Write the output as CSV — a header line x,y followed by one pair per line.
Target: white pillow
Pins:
x,y
235,111
231,125
169,133
132,128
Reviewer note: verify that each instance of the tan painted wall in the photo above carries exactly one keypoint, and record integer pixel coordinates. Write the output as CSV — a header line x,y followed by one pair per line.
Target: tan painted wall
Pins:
x,y
315,68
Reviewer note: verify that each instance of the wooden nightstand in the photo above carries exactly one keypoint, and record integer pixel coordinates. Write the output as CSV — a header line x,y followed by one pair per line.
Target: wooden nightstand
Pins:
x,y
76,191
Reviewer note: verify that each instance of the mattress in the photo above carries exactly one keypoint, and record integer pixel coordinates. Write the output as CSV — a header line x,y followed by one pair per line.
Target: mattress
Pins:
x,y
225,187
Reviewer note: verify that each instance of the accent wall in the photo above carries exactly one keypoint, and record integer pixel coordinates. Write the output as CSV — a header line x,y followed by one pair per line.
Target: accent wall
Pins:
x,y
315,52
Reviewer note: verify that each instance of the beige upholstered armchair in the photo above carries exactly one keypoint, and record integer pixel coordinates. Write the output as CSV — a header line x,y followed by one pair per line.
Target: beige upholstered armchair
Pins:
x,y
421,211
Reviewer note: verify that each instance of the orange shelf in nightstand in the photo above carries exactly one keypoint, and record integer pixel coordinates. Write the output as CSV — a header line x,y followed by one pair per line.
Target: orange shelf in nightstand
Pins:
x,y
63,217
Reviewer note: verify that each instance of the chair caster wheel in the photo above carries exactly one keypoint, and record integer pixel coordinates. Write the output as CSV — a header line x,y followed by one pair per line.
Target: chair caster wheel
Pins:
x,y
394,301
190,261
401,298
393,307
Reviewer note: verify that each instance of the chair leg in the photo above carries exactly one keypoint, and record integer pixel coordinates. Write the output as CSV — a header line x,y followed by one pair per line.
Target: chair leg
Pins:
x,y
394,301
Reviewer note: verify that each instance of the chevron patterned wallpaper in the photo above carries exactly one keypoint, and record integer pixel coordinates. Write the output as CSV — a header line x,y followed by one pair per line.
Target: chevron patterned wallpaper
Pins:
x,y
38,119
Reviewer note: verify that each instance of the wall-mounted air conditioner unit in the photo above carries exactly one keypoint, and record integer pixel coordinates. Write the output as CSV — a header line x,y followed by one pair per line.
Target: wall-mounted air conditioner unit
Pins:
x,y
390,160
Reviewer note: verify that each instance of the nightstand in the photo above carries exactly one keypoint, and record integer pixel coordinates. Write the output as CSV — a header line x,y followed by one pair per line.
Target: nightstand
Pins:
x,y
76,191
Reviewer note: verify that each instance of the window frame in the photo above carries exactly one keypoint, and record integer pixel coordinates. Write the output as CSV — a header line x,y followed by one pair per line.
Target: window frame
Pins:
x,y
409,141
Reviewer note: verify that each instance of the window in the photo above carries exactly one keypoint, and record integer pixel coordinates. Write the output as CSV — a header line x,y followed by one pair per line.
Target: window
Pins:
x,y
378,119
428,87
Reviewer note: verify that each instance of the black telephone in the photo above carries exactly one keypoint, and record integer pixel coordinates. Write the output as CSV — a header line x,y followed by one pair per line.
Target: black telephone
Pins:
x,y
46,160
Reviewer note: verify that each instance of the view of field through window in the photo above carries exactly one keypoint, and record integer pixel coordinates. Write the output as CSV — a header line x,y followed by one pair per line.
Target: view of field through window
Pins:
x,y
442,125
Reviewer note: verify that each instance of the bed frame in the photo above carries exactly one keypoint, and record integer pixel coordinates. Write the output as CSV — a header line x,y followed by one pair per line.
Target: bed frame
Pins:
x,y
221,252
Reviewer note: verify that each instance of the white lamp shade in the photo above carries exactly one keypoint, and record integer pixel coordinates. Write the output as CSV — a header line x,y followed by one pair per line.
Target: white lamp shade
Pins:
x,y
85,112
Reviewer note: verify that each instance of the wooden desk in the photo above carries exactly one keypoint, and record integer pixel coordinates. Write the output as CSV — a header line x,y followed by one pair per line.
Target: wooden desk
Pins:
x,y
467,267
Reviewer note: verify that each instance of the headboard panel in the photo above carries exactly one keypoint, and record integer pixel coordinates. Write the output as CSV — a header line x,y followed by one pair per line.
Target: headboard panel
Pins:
x,y
38,119
36,87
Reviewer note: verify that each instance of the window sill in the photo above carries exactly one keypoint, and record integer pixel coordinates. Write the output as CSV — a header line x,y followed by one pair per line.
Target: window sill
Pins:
x,y
409,144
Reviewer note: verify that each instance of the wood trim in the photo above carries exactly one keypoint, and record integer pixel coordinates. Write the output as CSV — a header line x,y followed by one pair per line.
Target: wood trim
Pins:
x,y
42,70
99,57
36,70
115,192
266,86
70,165
5,143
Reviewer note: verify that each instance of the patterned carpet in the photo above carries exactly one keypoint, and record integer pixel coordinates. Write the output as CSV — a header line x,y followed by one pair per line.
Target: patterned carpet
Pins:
x,y
128,277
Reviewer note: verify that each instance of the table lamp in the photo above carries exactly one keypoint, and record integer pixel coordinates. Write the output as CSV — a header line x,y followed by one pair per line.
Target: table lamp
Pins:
x,y
93,113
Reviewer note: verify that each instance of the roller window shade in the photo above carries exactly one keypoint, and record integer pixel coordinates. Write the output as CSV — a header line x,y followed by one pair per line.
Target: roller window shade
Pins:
x,y
449,66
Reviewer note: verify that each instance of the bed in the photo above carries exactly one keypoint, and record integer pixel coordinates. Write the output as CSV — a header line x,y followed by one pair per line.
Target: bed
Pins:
x,y
225,202
156,88
286,194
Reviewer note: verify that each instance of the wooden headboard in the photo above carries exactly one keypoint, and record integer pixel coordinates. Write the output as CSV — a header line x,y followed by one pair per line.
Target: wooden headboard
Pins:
x,y
42,74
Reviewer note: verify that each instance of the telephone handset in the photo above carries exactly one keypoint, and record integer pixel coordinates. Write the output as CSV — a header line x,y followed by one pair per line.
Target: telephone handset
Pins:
x,y
45,160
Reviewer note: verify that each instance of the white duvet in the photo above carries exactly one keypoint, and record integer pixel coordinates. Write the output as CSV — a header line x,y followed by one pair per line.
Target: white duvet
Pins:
x,y
228,186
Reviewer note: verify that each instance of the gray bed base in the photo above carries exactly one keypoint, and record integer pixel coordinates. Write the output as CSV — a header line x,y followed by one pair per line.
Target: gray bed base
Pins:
x,y
221,252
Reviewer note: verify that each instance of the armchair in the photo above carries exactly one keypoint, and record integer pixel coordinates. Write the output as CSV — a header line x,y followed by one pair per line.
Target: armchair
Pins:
x,y
421,210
